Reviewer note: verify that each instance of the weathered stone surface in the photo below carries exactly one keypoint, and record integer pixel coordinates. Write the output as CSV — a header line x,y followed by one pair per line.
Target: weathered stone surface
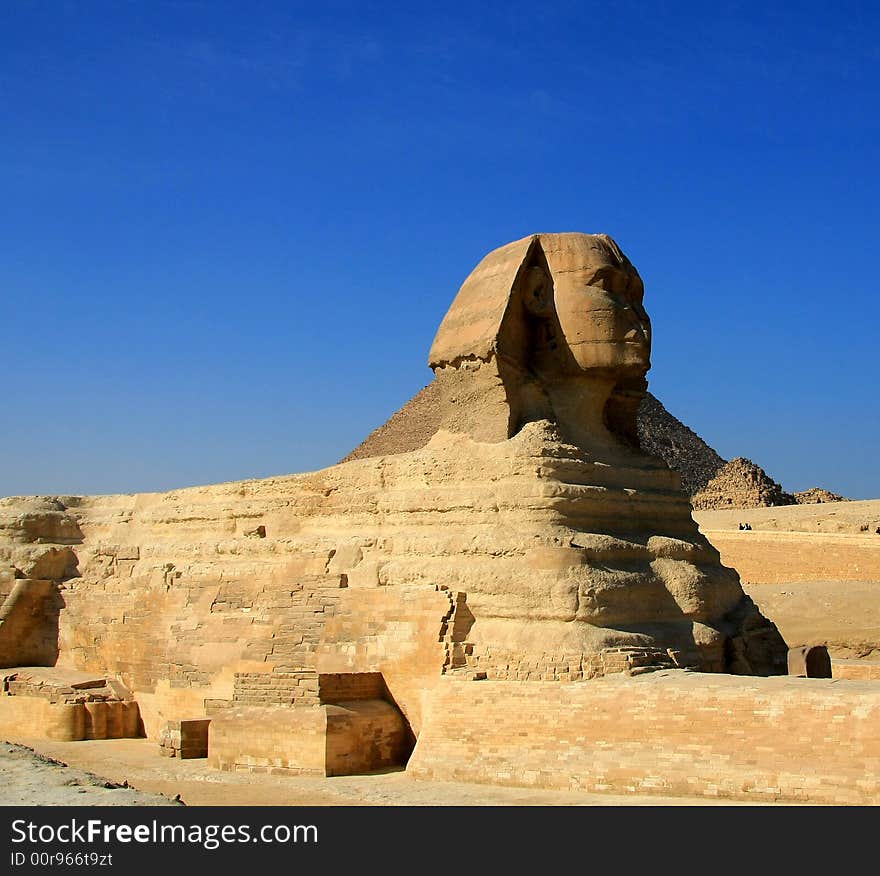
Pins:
x,y
66,705
545,348
185,739
37,520
29,612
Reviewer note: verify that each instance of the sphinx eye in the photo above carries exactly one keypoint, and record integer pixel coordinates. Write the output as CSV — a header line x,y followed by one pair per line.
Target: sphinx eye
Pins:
x,y
602,279
610,280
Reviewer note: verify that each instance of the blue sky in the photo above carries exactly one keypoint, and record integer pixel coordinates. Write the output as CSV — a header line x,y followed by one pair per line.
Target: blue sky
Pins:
x,y
230,230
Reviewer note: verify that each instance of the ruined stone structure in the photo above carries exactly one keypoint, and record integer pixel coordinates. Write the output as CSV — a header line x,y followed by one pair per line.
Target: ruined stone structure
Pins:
x,y
318,619
741,484
818,496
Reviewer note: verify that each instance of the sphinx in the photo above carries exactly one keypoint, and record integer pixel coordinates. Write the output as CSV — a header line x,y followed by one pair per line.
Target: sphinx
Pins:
x,y
545,349
530,539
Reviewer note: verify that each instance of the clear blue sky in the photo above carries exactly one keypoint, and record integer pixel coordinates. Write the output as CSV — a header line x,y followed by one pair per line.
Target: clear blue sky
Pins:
x,y
229,230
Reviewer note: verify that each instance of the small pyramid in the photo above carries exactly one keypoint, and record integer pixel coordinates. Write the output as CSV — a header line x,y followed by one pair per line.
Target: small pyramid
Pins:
x,y
816,496
741,484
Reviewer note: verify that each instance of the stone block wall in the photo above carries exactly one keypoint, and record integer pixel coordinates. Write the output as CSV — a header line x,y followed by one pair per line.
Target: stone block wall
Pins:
x,y
365,735
23,717
862,670
671,733
276,688
34,718
395,631
341,739
185,739
500,664
269,740
182,641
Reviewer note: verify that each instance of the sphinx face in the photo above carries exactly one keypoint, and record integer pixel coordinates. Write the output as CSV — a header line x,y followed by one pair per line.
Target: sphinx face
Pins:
x,y
598,301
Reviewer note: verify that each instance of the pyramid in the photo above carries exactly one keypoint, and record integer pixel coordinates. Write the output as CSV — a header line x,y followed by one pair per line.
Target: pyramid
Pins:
x,y
818,495
741,484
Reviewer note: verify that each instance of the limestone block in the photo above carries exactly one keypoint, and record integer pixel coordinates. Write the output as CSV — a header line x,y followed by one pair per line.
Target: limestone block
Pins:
x,y
275,740
97,720
809,661
186,738
364,735
32,717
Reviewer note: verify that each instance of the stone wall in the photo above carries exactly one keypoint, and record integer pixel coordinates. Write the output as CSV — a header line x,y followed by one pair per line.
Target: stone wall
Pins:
x,y
784,557
671,733
365,735
395,631
29,623
863,670
327,740
32,717
341,687
276,688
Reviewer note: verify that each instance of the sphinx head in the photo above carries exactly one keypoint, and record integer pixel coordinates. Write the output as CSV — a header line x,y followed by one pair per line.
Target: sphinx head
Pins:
x,y
556,321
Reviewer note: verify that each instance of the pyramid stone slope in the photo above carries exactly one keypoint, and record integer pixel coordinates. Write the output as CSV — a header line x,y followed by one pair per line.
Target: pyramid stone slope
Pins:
x,y
408,429
666,437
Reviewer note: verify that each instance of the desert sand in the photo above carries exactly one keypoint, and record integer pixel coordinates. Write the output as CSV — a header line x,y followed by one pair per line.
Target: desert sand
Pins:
x,y
160,780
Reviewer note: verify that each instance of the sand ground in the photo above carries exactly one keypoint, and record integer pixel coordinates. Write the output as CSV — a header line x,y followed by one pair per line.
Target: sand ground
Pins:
x,y
160,779
28,778
828,517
